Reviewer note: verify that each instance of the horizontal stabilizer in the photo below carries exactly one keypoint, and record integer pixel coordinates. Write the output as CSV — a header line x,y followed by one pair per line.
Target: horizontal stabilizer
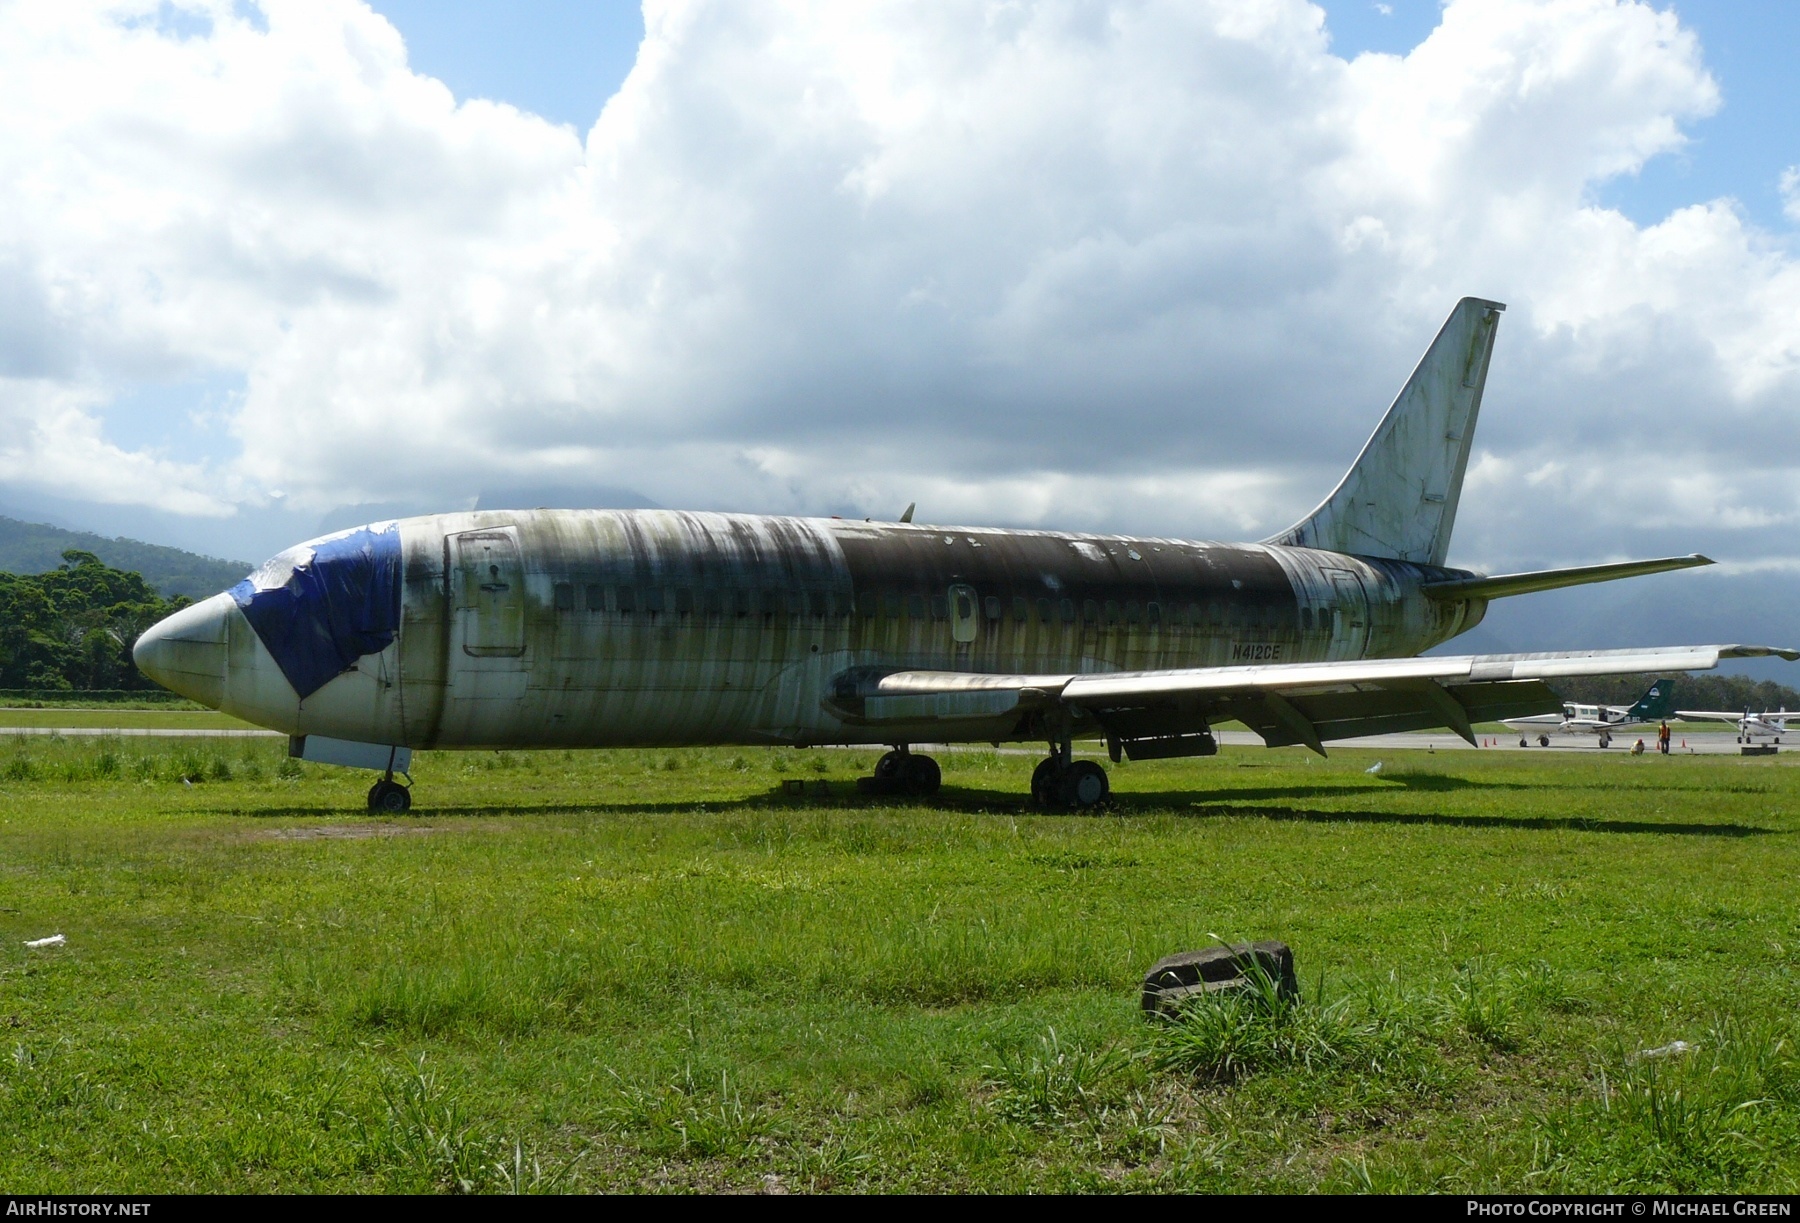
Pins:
x,y
1503,585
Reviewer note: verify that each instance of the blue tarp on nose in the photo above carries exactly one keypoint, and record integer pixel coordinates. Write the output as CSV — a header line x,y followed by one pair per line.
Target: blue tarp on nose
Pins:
x,y
323,605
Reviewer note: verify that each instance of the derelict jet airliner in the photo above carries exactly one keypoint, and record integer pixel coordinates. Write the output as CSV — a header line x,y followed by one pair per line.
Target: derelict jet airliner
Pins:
x,y
600,628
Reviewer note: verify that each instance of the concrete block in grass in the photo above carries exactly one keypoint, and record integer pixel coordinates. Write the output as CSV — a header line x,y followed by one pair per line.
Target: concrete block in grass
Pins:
x,y
1175,979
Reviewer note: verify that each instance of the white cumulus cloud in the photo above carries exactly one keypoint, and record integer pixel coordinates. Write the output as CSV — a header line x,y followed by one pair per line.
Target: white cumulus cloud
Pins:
x,y
1148,265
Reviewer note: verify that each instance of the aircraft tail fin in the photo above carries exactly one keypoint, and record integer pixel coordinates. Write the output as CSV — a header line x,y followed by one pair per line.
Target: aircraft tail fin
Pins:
x,y
1399,499
1655,704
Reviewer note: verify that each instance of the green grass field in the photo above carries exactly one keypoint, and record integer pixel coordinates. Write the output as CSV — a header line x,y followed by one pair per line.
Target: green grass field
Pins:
x,y
654,970
115,718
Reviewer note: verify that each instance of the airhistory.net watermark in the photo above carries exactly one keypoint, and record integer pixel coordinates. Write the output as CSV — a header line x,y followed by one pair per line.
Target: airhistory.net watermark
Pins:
x,y
67,1208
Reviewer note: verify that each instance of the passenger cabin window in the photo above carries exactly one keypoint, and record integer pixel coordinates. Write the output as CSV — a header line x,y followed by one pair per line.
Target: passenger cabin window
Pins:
x,y
653,598
993,607
815,602
596,598
1068,611
565,596
915,606
1153,614
1112,611
771,602
940,607
1046,612
627,599
1090,611
713,601
1022,609
684,601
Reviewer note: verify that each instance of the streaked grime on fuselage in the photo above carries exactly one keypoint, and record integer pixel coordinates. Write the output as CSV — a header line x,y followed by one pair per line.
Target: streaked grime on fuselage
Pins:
x,y
658,627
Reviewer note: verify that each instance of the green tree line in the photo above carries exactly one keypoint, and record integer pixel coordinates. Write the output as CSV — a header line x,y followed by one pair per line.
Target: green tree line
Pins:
x,y
73,627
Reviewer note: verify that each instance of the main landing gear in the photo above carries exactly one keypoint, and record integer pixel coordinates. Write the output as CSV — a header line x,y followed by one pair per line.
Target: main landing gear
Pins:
x,y
901,772
1073,785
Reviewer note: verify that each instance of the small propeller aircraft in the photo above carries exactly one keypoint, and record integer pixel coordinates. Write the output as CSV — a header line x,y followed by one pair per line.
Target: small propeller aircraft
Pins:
x,y
1750,726
1598,720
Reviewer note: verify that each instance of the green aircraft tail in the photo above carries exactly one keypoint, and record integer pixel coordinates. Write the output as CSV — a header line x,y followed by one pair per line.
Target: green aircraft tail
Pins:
x,y
1655,704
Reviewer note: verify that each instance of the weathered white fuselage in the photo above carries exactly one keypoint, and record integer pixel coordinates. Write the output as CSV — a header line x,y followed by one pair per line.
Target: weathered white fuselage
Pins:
x,y
608,628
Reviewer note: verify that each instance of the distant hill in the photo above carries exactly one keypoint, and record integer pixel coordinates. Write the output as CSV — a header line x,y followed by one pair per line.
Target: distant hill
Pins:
x,y
34,547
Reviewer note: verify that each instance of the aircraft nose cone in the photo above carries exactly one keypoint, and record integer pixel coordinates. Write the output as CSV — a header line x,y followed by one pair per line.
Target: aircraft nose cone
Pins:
x,y
186,652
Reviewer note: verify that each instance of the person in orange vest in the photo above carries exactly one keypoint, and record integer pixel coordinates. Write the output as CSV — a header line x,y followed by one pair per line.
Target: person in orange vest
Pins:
x,y
1662,739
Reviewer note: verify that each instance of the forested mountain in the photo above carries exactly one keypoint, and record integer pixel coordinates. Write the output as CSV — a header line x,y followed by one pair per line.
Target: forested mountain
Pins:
x,y
73,627
35,547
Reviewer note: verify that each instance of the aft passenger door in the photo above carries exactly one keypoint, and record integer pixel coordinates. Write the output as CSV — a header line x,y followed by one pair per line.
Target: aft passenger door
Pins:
x,y
1350,615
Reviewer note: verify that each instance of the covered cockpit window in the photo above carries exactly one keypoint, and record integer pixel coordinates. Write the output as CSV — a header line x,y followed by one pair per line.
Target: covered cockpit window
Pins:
x,y
322,605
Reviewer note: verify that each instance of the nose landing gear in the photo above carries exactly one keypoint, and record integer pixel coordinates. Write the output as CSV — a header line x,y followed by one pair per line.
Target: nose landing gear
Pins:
x,y
389,797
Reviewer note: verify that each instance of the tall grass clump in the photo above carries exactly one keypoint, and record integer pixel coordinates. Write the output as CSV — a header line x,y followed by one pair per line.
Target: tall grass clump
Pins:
x,y
1053,1083
422,1139
1230,1035
1681,1117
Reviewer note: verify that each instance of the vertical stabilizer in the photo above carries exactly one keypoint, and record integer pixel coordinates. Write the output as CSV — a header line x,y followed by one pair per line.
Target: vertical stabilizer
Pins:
x,y
1399,499
1655,704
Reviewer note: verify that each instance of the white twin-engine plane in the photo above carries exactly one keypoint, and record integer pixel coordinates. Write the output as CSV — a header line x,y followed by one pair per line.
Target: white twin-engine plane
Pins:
x,y
1750,726
1598,720
604,628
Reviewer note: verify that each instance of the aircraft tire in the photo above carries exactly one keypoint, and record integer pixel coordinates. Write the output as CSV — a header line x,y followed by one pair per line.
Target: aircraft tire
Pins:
x,y
1043,785
1524,742
1083,786
1605,740
921,777
1543,740
390,798
891,765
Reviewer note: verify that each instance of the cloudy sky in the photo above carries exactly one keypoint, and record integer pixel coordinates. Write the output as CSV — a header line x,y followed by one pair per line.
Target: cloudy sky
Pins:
x,y
1159,267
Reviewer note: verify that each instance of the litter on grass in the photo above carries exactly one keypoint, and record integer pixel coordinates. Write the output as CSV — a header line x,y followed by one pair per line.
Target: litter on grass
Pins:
x,y
1674,1048
1374,768
55,940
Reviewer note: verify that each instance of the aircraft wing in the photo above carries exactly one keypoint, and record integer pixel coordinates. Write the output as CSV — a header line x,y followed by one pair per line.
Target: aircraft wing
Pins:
x,y
1708,715
1151,713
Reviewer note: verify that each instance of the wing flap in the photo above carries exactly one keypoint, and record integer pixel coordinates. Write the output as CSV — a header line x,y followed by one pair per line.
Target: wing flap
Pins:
x,y
1388,711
